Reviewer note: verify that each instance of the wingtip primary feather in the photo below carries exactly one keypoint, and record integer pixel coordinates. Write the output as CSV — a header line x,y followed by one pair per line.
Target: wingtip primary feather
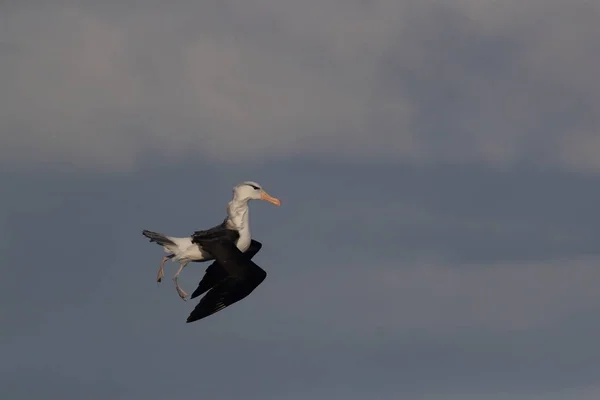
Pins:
x,y
190,319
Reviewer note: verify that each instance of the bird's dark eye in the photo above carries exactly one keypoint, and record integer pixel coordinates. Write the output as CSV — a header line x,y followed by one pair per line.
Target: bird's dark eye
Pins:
x,y
255,187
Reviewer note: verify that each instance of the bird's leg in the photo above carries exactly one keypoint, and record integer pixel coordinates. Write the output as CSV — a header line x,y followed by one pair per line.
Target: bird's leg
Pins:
x,y
161,269
180,291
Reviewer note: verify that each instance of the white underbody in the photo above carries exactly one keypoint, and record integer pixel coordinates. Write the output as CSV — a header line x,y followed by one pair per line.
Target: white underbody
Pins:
x,y
185,251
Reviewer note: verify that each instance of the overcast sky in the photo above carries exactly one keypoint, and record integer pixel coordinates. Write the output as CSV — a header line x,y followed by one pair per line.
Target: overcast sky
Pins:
x,y
438,164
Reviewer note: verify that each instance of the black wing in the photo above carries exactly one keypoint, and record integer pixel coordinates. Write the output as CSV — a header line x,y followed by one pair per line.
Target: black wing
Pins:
x,y
243,277
215,272
218,232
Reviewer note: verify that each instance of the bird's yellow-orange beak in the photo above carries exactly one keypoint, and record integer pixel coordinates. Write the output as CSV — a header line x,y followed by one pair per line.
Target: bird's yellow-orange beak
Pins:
x,y
266,196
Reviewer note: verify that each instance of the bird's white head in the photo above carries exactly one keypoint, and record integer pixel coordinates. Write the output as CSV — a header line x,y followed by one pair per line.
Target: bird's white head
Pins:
x,y
253,191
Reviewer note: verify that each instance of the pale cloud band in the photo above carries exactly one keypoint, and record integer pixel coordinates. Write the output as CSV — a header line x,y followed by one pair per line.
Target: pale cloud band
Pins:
x,y
436,298
496,82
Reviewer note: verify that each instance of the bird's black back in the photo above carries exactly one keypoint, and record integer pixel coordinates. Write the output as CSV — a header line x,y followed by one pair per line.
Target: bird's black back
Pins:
x,y
220,231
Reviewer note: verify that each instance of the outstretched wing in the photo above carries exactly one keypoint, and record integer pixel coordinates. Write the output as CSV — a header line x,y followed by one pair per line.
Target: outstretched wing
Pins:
x,y
215,272
243,276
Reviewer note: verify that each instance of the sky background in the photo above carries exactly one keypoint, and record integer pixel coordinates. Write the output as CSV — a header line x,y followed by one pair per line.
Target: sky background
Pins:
x,y
438,164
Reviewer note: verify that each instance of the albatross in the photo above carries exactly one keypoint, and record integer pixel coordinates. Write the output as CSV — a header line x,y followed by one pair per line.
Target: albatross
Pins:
x,y
214,243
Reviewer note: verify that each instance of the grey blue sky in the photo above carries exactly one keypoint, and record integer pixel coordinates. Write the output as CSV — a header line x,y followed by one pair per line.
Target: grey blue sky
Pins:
x,y
438,164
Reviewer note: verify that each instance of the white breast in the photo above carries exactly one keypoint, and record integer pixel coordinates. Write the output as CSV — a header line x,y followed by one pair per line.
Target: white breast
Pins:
x,y
239,219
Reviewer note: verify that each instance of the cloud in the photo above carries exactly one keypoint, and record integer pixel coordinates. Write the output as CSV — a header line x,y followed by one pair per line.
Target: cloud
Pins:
x,y
458,243
495,82
356,309
577,393
49,381
436,298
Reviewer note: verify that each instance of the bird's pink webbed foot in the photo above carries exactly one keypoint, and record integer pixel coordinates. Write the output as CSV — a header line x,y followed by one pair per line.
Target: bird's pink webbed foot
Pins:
x,y
161,269
182,293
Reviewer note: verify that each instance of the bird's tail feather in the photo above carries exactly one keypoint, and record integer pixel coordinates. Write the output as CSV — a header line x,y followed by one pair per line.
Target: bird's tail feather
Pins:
x,y
158,238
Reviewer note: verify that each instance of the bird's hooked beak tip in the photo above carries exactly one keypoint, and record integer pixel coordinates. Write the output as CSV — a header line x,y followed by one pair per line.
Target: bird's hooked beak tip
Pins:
x,y
273,200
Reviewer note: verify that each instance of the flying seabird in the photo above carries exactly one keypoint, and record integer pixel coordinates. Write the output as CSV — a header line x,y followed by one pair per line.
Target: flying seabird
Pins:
x,y
235,229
